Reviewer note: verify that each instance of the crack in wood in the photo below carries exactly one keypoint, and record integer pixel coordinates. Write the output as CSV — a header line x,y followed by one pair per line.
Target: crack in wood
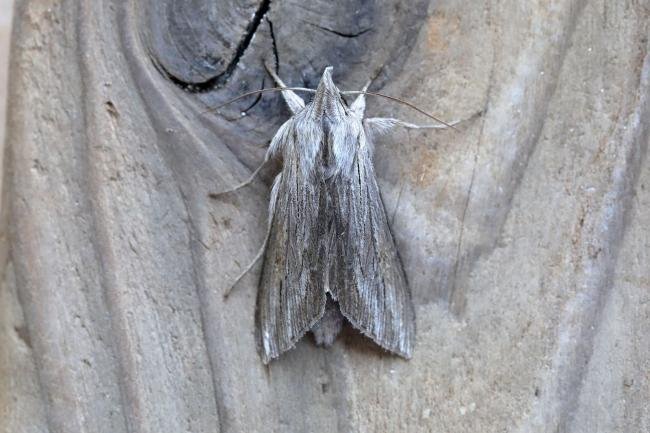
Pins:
x,y
339,33
274,45
220,79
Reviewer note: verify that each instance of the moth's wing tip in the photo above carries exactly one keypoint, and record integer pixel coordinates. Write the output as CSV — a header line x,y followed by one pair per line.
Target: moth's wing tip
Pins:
x,y
402,356
267,357
404,353
380,341
407,354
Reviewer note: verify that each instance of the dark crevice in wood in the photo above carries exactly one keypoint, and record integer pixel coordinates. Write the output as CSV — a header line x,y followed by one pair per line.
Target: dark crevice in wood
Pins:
x,y
339,33
23,334
274,44
257,99
219,80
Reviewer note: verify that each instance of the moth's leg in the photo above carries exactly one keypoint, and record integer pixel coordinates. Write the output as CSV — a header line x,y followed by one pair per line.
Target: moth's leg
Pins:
x,y
384,124
241,185
294,102
274,195
258,256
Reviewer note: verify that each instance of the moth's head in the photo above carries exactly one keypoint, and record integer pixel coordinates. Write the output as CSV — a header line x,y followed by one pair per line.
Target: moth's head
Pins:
x,y
327,99
326,79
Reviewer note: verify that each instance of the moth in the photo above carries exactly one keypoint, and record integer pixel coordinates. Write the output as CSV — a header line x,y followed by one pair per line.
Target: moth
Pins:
x,y
329,255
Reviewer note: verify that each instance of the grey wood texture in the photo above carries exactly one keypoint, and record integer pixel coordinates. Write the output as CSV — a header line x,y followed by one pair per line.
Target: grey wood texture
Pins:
x,y
525,235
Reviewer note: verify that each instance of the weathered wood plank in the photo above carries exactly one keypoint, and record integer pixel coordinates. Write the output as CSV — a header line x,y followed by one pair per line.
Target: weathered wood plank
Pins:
x,y
524,235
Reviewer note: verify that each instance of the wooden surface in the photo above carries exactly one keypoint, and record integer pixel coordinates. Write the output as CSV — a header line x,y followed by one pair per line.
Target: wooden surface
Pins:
x,y
525,235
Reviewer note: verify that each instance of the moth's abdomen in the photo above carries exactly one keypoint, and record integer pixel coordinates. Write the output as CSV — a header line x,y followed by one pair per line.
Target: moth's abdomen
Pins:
x,y
328,327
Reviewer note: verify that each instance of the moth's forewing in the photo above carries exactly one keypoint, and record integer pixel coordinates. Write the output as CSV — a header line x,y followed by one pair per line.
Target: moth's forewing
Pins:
x,y
370,284
291,297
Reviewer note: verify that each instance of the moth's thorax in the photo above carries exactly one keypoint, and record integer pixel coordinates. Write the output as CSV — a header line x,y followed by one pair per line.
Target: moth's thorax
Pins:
x,y
342,140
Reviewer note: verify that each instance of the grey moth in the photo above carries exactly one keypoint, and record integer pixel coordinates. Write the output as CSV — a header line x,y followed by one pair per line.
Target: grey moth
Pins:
x,y
329,255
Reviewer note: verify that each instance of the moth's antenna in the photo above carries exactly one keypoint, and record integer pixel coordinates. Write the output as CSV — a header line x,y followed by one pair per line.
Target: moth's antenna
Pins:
x,y
401,101
348,92
255,92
